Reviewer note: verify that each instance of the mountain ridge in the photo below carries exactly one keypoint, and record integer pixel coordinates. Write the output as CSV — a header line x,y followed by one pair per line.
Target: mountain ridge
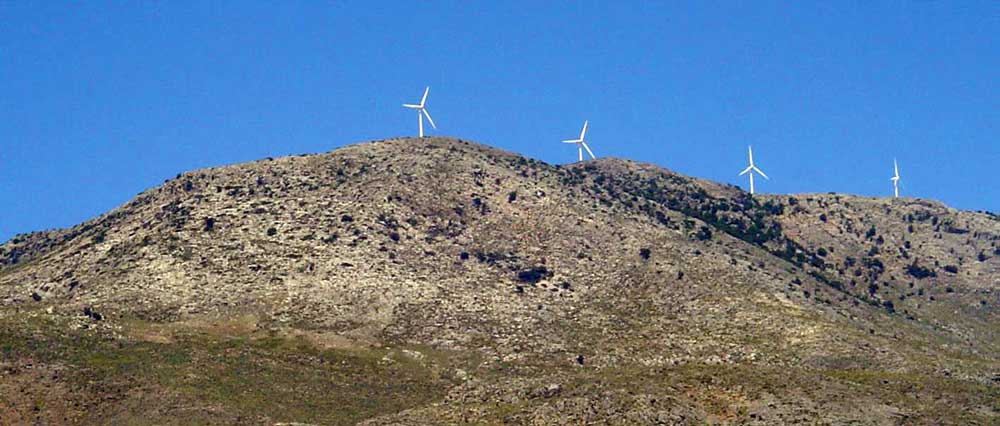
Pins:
x,y
502,275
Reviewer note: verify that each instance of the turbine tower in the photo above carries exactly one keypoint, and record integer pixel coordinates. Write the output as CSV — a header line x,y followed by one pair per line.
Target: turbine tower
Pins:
x,y
752,168
421,112
581,145
895,179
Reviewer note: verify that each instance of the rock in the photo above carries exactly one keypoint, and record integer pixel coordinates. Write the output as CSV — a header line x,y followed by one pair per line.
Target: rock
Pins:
x,y
547,391
414,354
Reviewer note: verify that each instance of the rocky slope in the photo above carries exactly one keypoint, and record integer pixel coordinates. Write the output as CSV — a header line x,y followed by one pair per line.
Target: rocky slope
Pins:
x,y
429,281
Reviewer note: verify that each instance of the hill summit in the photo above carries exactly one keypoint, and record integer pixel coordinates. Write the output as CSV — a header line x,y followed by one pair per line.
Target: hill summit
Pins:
x,y
438,281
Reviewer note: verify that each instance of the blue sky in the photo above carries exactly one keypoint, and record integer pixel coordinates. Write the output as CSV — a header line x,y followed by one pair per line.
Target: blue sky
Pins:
x,y
99,101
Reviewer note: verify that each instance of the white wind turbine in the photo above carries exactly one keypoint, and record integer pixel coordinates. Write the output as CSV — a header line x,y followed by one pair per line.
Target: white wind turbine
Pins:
x,y
421,112
580,144
895,179
752,168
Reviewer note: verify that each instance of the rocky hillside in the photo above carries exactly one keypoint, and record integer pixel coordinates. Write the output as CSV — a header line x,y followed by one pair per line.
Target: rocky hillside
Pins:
x,y
437,281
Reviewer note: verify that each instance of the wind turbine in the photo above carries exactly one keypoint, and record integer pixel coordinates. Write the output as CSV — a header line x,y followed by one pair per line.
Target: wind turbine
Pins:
x,y
421,112
580,144
895,179
752,168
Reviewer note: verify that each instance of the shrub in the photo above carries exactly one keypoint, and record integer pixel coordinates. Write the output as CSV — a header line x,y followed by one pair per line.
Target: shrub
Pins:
x,y
919,272
874,264
491,258
88,312
479,204
644,253
703,233
271,231
387,221
209,224
534,275
662,218
951,268
774,208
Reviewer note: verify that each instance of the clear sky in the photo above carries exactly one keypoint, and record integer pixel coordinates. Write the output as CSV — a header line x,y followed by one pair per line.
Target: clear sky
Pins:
x,y
99,101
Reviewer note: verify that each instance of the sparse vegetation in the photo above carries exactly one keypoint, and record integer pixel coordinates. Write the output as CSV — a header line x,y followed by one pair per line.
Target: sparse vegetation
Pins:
x,y
751,311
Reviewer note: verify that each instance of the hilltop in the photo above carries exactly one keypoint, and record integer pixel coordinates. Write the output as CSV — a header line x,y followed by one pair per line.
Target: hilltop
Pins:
x,y
428,281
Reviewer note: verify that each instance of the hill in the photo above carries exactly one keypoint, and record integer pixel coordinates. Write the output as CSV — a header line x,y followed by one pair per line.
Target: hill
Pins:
x,y
436,281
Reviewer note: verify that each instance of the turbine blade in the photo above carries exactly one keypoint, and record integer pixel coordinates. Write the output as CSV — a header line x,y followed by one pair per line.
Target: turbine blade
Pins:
x,y
573,141
429,118
895,167
746,170
584,131
411,106
761,173
588,149
750,154
424,99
